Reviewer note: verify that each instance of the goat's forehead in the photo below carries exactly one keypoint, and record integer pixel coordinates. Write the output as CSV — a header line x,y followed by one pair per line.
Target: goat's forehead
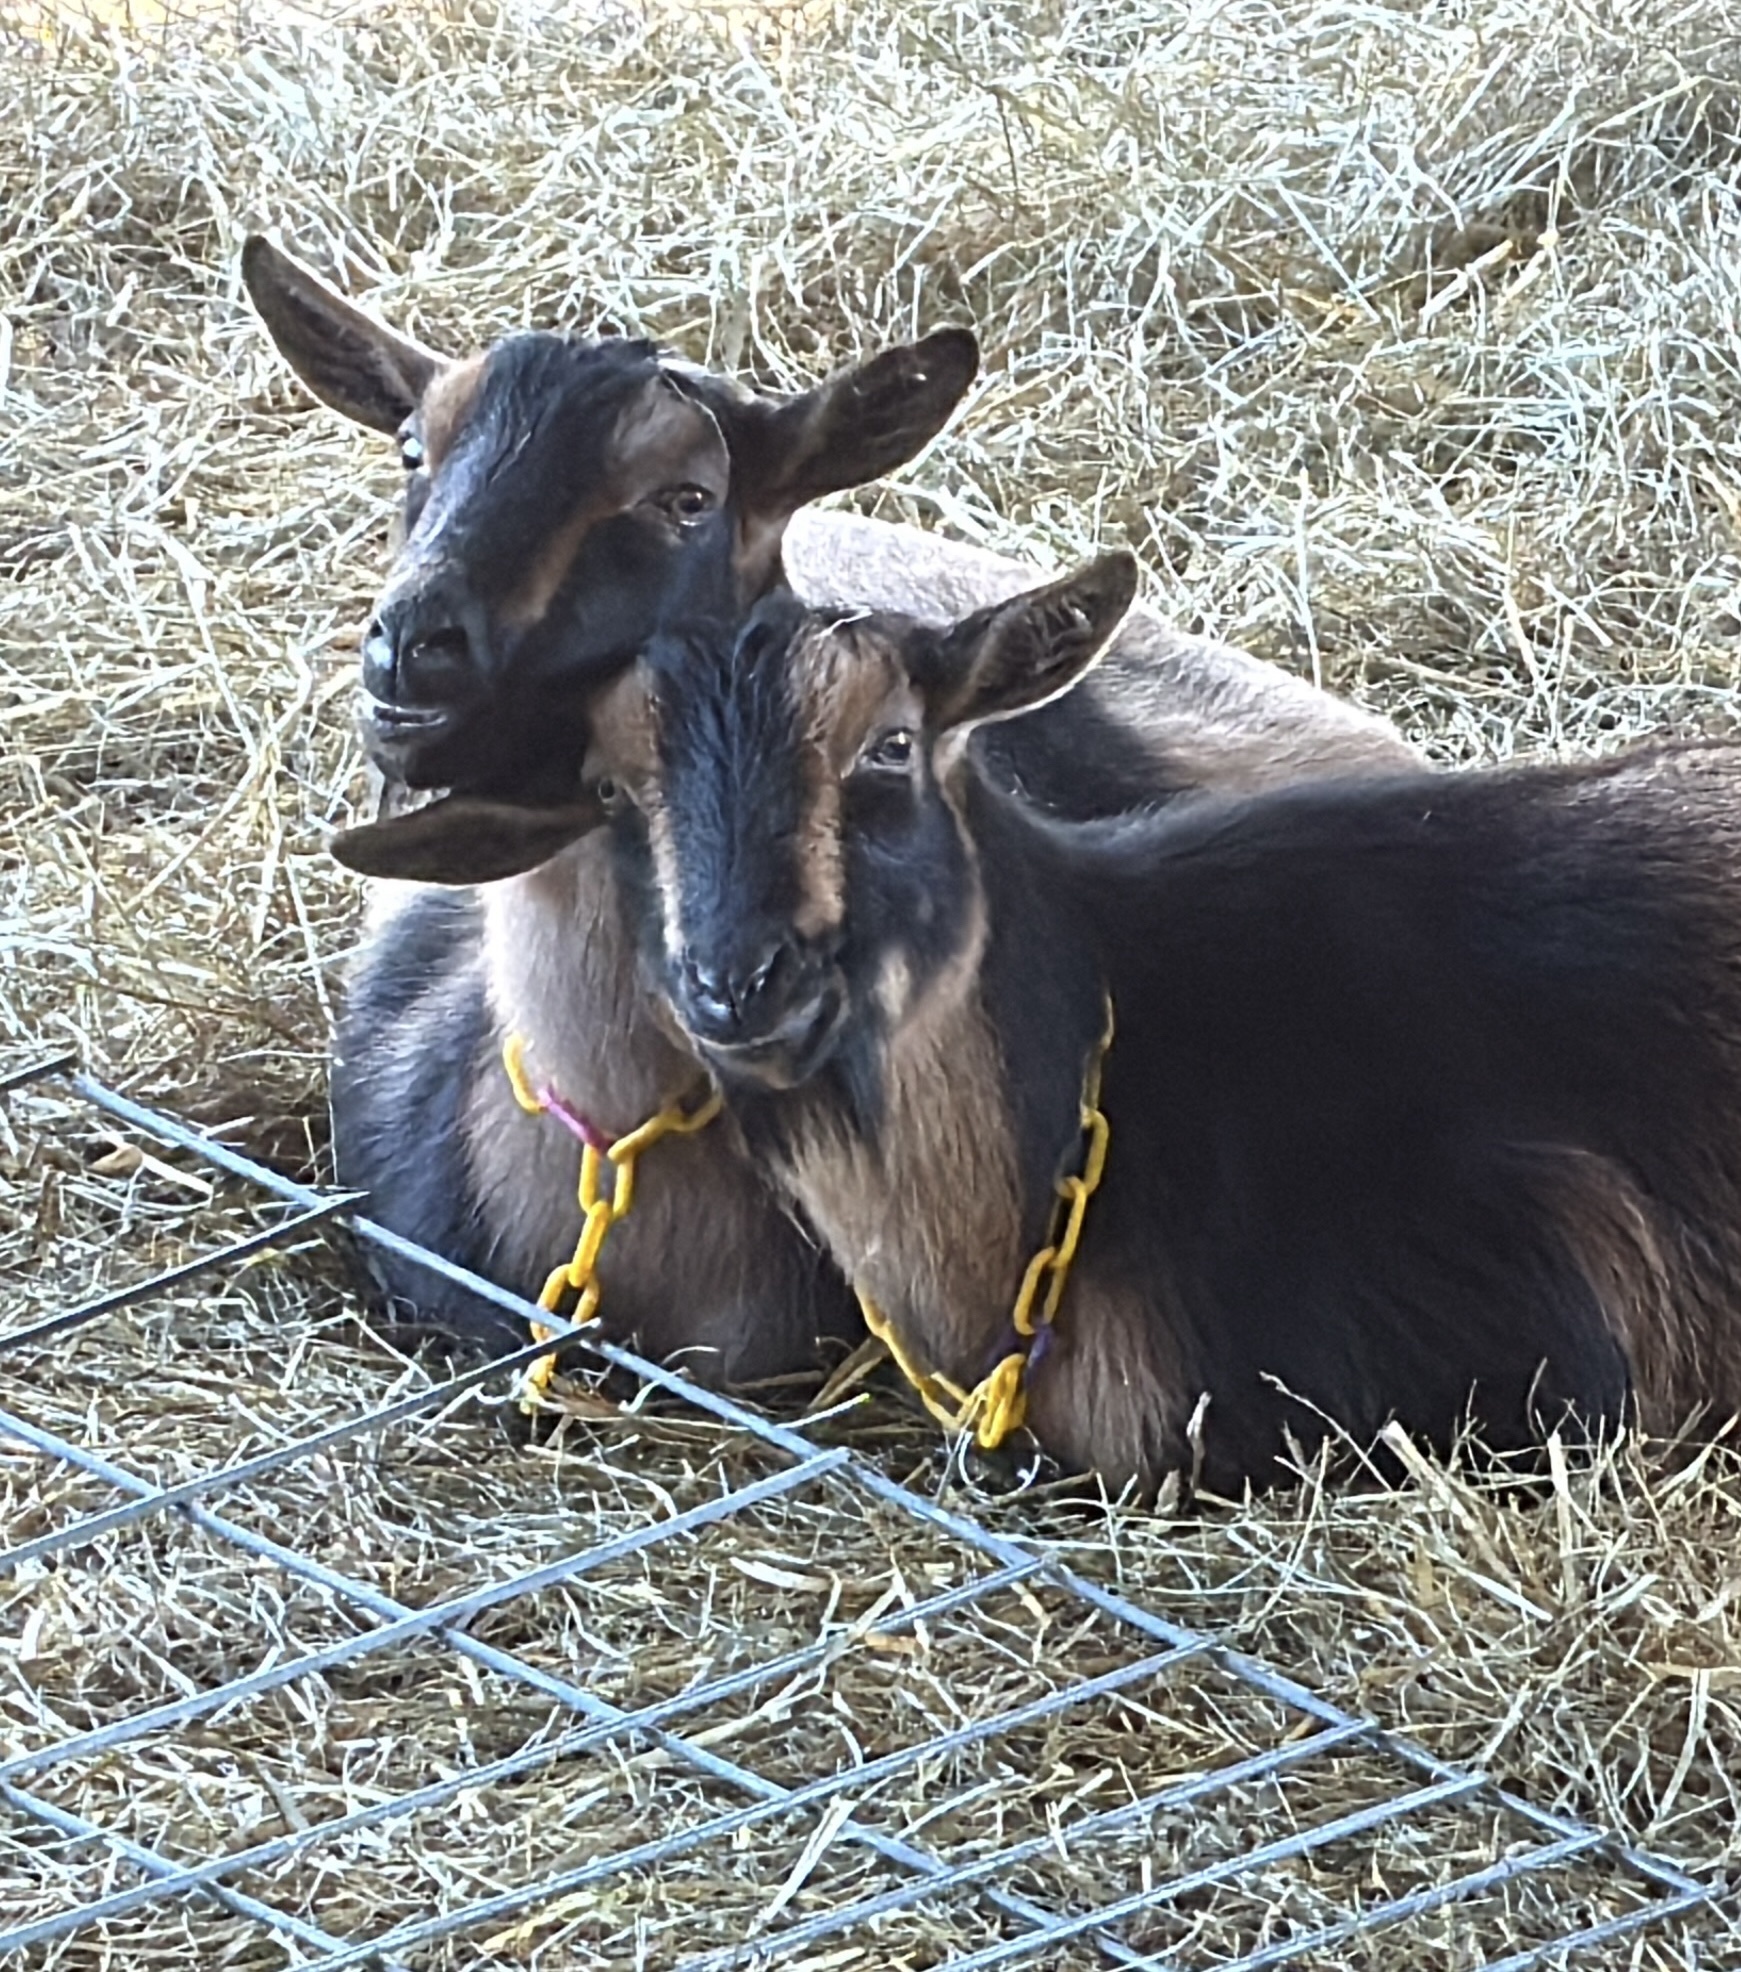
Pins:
x,y
558,391
820,676
695,700
847,675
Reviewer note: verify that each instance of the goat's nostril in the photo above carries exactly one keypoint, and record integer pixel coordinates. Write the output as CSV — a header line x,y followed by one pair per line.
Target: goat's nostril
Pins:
x,y
710,989
745,991
380,664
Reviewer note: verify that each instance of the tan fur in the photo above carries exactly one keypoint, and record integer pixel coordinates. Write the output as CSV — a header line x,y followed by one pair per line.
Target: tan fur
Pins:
x,y
821,884
849,696
1110,1395
625,733
958,1258
1651,1294
756,556
446,405
561,968
561,972
550,567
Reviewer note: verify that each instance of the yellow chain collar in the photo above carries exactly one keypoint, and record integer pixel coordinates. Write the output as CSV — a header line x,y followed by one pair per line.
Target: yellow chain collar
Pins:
x,y
998,1403
598,1212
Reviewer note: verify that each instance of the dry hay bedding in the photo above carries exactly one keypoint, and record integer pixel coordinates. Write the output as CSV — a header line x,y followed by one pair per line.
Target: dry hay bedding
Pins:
x,y
1401,341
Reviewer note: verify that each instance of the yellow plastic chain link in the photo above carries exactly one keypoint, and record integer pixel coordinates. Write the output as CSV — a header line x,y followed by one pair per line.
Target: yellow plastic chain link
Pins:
x,y
998,1403
599,1212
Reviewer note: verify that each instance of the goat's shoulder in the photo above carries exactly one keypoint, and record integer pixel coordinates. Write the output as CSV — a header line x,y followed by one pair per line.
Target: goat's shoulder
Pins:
x,y
416,936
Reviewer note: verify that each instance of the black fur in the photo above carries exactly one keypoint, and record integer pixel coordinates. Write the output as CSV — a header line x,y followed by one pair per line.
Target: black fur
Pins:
x,y
1360,1032
396,1108
528,455
1077,759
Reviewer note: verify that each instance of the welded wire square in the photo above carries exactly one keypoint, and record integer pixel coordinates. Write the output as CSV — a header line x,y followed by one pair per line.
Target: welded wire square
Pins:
x,y
625,1885
175,1932
91,1209
172,1630
981,1721
438,1507
1312,1850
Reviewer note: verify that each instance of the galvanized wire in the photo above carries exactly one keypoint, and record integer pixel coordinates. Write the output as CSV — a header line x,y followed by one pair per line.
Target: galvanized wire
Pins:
x,y
1423,1782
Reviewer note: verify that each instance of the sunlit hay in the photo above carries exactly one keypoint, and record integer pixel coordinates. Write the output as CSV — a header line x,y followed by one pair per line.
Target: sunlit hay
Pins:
x,y
1402,343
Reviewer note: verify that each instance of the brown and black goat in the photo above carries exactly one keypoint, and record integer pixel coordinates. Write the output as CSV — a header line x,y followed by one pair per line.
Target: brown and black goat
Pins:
x,y
1425,1096
555,490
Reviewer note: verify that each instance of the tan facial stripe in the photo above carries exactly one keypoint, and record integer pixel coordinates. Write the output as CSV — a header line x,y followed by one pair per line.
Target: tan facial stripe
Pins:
x,y
447,404
848,686
821,887
623,721
667,873
533,598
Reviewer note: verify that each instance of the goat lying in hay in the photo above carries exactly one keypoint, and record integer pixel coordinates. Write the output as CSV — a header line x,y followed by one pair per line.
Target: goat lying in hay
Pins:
x,y
1425,1096
555,491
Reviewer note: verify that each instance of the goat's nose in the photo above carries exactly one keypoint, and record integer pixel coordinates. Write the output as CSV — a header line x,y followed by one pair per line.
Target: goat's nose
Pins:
x,y
733,993
418,663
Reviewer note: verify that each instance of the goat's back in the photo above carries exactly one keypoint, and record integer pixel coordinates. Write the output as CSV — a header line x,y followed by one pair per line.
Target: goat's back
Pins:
x,y
1427,1094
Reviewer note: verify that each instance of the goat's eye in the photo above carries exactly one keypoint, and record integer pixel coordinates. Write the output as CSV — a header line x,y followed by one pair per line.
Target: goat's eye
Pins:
x,y
687,504
892,754
410,451
610,794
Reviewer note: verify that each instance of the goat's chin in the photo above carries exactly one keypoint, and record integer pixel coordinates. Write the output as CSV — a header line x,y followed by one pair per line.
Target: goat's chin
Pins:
x,y
786,1058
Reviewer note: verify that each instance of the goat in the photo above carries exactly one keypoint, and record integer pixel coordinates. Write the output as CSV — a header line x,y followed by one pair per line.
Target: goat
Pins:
x,y
1425,1097
554,488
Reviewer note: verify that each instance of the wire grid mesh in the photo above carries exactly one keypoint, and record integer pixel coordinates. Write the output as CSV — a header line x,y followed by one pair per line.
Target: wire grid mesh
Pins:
x,y
838,1859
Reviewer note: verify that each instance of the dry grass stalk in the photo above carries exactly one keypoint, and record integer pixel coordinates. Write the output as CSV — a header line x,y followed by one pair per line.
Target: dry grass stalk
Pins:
x,y
1401,342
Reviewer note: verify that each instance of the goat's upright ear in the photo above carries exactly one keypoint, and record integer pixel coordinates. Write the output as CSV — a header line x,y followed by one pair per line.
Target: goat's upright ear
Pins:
x,y
863,422
360,368
462,839
1020,653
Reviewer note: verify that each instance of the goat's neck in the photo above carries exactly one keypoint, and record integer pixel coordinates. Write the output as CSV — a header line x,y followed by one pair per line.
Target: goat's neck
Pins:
x,y
562,973
935,1193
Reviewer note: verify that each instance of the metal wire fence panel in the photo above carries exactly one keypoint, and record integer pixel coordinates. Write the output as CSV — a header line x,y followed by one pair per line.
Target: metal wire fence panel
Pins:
x,y
791,1764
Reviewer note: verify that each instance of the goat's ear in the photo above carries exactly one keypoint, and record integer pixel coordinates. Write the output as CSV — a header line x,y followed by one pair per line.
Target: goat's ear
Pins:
x,y
863,422
462,839
1018,654
361,369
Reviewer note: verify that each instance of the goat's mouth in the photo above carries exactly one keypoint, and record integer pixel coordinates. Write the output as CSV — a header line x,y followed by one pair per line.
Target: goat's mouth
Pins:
x,y
475,748
787,1055
393,720
393,732
403,741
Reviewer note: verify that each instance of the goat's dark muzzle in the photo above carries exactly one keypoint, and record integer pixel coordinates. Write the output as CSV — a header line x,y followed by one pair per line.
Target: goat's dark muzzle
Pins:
x,y
426,676
766,1013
